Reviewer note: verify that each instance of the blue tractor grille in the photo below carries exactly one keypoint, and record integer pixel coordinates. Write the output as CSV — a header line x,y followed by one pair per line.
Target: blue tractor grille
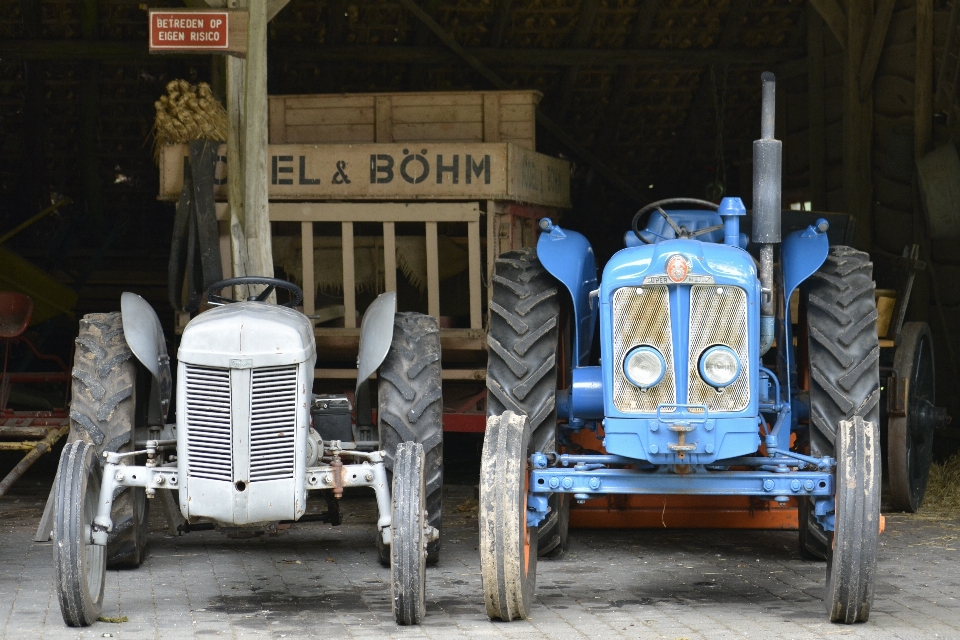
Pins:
x,y
641,316
718,315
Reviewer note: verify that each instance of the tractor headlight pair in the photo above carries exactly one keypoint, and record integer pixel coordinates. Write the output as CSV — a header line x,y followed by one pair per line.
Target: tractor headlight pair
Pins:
x,y
645,366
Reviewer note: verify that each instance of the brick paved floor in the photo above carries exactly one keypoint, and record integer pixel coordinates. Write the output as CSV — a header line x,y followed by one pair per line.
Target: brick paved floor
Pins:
x,y
317,581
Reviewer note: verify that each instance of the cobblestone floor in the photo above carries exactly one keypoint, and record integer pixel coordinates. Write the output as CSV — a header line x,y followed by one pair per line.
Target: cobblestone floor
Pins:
x,y
317,581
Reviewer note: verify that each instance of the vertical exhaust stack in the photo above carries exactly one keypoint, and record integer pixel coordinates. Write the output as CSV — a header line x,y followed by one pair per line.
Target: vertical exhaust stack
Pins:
x,y
767,163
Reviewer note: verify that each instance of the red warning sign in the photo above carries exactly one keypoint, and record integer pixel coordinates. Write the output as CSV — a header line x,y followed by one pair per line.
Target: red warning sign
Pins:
x,y
185,30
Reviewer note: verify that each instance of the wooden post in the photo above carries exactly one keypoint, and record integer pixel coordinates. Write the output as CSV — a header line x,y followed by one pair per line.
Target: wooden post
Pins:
x,y
235,72
816,142
473,258
255,204
857,124
389,256
306,249
433,271
349,278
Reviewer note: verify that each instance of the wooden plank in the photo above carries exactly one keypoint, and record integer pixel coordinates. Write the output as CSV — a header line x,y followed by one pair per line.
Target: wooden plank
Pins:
x,y
493,248
491,117
438,114
226,263
439,99
923,80
381,212
331,134
330,115
389,256
236,72
433,271
510,131
278,122
833,15
383,119
535,178
451,132
306,248
871,54
517,112
816,143
473,253
349,279
355,100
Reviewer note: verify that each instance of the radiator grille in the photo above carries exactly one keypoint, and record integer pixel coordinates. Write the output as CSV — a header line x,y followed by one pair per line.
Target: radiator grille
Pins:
x,y
208,423
641,315
273,423
718,315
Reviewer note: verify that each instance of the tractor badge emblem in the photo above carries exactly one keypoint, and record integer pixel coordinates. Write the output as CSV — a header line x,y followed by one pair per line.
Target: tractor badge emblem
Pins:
x,y
677,268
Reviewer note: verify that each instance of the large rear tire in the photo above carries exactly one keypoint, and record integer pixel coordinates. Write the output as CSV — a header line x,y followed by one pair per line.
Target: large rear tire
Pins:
x,y
410,409
508,547
408,551
522,365
110,394
843,352
79,565
852,561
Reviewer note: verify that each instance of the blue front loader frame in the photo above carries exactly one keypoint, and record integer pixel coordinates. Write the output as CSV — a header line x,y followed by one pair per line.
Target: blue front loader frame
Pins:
x,y
637,462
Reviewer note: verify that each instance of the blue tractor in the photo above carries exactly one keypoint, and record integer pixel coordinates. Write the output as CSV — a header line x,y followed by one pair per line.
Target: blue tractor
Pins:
x,y
705,384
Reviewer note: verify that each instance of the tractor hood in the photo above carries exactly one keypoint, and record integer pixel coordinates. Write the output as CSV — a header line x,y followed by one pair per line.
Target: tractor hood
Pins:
x,y
248,335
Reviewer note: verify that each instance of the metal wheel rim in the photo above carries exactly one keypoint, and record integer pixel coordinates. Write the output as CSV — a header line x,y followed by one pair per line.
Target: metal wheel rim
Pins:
x,y
94,556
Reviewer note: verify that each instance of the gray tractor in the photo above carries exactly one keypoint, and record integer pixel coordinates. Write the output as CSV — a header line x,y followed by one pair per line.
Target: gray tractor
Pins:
x,y
250,439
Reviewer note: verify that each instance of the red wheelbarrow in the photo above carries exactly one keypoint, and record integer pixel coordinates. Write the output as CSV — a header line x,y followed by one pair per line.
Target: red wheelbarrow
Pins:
x,y
34,432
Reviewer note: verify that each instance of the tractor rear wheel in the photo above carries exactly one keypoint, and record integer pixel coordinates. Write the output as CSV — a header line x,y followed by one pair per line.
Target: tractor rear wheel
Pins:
x,y
410,409
843,359
508,547
852,559
79,565
522,364
110,395
408,550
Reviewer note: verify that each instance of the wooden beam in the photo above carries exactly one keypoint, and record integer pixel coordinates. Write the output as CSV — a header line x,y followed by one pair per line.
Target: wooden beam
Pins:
x,y
235,72
833,15
433,270
871,55
389,256
473,261
349,277
600,167
923,80
422,55
306,251
857,125
816,136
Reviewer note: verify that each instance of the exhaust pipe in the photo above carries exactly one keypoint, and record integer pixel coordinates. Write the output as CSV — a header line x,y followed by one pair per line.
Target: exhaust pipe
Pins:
x,y
767,163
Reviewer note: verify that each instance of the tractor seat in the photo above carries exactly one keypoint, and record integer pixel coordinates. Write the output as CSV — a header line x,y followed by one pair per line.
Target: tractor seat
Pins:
x,y
15,311
658,229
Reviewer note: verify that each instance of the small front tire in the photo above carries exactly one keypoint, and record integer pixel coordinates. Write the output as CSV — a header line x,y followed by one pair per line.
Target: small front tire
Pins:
x,y
408,550
79,565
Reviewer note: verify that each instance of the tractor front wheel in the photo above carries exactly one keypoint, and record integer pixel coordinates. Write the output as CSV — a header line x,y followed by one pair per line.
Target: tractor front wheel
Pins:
x,y
508,546
852,560
408,551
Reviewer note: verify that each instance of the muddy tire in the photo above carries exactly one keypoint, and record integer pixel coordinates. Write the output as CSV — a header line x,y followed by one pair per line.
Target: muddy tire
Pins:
x,y
522,364
508,547
852,560
79,565
410,409
844,356
408,552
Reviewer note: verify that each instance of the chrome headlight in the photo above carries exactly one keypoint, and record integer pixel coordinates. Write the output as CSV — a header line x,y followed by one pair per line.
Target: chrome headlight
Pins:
x,y
644,367
719,366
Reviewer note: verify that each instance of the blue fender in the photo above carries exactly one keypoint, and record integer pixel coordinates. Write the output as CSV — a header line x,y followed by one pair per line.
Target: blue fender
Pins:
x,y
568,257
801,255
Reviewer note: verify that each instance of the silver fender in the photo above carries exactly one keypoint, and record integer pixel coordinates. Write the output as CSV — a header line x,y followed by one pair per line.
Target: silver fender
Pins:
x,y
376,334
144,335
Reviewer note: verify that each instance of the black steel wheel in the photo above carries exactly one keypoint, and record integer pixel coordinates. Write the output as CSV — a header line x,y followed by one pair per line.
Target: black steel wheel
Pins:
x,y
843,360
408,551
79,565
508,547
410,409
110,395
910,436
522,364
852,560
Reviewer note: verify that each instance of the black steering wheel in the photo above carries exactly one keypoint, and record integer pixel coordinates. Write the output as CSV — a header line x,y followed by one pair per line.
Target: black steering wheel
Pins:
x,y
272,283
682,232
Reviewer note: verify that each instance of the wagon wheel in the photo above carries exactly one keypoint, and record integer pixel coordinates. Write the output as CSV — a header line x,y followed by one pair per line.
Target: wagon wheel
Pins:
x,y
508,545
79,565
408,549
910,435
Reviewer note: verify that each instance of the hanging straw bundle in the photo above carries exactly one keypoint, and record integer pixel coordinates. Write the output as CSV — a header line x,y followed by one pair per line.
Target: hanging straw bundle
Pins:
x,y
188,113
